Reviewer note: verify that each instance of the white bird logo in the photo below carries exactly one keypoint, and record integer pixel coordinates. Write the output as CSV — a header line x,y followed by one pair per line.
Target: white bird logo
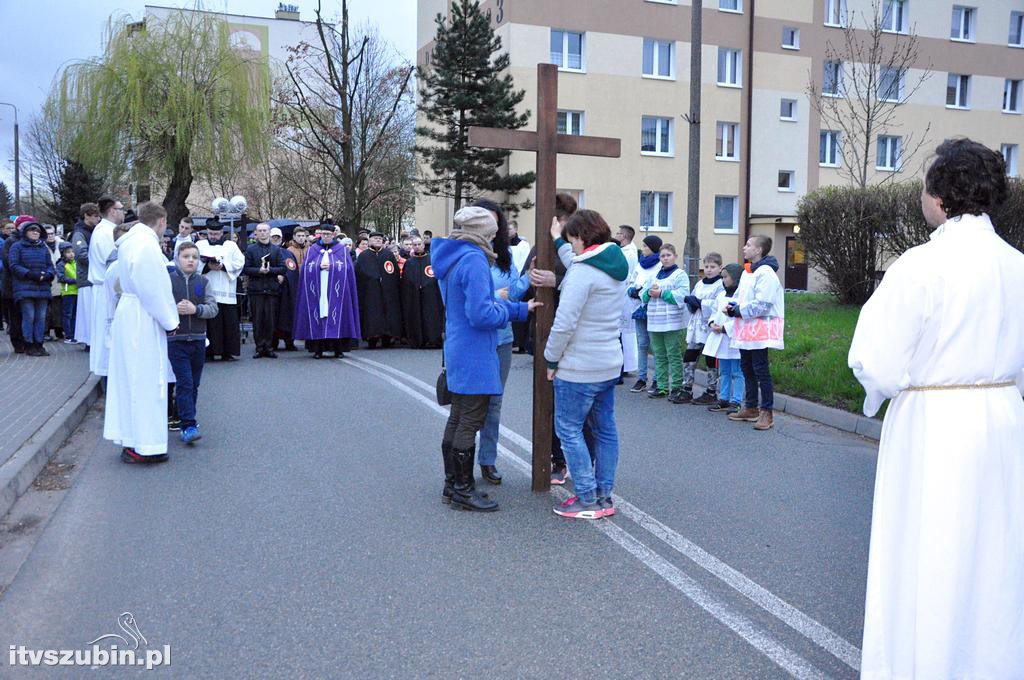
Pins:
x,y
127,623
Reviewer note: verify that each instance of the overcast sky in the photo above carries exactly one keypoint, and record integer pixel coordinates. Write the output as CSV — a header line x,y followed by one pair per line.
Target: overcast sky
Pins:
x,y
43,35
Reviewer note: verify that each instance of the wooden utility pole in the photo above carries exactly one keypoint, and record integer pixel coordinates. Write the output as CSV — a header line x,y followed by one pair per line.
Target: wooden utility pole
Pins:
x,y
547,144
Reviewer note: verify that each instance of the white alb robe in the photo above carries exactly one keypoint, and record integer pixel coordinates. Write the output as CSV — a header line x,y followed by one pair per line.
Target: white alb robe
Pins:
x,y
945,592
627,326
101,247
136,405
83,315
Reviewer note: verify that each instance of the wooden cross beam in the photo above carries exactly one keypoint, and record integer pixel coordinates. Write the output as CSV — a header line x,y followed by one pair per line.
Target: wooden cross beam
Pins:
x,y
547,144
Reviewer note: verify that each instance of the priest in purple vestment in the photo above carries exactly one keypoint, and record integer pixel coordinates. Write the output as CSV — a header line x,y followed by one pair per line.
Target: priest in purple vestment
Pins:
x,y
327,307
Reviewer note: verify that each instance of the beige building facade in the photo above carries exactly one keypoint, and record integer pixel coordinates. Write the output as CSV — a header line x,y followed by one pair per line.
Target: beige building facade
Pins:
x,y
624,72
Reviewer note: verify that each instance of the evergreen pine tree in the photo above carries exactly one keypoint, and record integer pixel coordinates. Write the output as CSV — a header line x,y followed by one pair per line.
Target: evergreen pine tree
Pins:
x,y
77,186
465,85
6,201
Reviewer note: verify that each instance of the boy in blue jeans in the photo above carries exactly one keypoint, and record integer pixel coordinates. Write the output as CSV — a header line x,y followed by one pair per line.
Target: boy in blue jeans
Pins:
x,y
186,345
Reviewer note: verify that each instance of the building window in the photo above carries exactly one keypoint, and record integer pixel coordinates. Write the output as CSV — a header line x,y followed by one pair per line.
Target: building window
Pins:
x,y
730,5
656,210
727,210
828,148
832,82
656,136
787,111
963,23
894,16
835,13
729,64
786,180
790,38
577,194
1016,29
890,150
957,91
659,58
570,122
1012,96
567,50
727,142
1010,154
890,84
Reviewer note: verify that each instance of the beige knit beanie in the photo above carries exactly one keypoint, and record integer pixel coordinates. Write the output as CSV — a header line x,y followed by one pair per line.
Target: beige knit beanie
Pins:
x,y
476,220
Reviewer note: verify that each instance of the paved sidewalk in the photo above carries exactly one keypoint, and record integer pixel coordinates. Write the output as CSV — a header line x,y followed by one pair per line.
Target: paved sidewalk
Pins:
x,y
33,389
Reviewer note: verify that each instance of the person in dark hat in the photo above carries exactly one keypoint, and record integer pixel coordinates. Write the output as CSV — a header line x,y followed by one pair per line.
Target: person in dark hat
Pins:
x,y
378,281
167,244
32,270
646,269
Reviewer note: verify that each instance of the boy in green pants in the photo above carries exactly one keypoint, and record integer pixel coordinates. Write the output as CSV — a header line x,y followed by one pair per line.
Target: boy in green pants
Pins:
x,y
667,316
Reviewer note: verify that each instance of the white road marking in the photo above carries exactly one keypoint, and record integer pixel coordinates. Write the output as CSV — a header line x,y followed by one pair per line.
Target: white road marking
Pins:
x,y
755,635
816,632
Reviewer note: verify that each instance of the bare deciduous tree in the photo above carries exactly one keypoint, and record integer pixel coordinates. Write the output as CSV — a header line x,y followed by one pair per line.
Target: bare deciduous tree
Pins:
x,y
873,80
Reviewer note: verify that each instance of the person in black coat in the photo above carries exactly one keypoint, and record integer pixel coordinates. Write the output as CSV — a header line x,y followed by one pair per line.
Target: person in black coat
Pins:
x,y
265,268
378,281
33,272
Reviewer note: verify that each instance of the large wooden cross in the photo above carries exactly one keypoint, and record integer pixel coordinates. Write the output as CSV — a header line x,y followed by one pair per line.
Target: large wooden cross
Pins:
x,y
547,144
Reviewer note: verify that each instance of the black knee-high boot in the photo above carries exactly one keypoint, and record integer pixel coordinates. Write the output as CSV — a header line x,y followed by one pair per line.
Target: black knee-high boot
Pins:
x,y
449,472
464,493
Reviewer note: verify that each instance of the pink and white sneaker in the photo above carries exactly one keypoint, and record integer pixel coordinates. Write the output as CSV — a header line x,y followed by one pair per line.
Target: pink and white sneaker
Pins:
x,y
576,509
606,505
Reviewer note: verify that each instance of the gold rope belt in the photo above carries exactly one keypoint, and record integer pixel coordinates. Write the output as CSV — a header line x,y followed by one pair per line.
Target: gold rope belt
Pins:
x,y
943,388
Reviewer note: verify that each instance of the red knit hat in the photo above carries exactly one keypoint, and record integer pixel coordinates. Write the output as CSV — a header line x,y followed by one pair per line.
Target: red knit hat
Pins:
x,y
22,219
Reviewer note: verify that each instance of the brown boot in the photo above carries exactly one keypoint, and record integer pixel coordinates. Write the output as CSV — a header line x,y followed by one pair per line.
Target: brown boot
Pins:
x,y
748,415
766,420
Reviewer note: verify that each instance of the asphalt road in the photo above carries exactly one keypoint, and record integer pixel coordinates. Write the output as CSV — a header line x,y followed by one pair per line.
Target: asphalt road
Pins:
x,y
304,537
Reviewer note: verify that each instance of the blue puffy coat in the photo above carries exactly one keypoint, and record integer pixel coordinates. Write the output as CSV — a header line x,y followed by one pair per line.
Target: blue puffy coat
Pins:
x,y
31,268
472,316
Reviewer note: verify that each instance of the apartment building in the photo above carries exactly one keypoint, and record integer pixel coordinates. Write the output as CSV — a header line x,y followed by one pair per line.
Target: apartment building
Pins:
x,y
624,68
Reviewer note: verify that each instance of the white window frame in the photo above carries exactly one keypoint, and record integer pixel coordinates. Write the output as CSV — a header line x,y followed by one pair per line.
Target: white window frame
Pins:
x,y
565,50
659,136
656,211
899,84
1014,105
1018,19
664,2
578,194
964,30
795,105
963,92
734,229
733,61
836,148
792,182
894,161
832,7
727,132
572,116
1011,154
731,10
889,10
655,59
795,45
839,79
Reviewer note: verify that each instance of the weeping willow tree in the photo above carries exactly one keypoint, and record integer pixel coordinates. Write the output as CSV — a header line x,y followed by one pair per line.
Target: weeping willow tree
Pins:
x,y
170,100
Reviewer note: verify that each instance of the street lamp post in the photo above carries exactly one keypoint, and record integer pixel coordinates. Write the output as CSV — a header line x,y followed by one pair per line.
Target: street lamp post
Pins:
x,y
17,161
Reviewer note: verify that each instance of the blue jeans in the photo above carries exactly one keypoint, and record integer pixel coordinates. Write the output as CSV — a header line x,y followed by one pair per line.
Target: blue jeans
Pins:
x,y
33,318
488,453
187,358
643,346
730,383
69,306
593,405
757,374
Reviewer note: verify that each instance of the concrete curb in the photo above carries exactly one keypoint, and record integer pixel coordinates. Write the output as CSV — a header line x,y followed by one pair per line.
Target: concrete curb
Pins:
x,y
21,469
869,428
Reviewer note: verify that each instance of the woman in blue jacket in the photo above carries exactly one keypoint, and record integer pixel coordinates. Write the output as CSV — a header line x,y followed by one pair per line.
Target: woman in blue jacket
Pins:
x,y
32,268
472,319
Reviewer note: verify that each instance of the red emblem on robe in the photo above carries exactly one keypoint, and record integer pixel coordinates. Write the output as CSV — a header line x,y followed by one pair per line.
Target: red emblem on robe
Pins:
x,y
429,271
290,263
389,267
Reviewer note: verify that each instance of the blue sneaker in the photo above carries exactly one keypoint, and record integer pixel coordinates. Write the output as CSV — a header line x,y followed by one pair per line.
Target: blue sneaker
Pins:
x,y
190,434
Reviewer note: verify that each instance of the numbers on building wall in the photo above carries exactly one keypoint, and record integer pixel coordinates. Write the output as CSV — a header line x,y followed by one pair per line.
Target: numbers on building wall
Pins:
x,y
501,11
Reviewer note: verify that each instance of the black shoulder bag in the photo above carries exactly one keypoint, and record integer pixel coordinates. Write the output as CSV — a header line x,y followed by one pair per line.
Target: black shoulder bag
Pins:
x,y
444,396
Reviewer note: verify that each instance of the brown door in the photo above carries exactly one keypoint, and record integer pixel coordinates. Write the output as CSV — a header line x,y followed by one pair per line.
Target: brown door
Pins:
x,y
796,264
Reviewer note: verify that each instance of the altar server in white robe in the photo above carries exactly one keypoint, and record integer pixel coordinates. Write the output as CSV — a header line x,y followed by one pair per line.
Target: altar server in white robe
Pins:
x,y
627,326
136,404
943,338
101,247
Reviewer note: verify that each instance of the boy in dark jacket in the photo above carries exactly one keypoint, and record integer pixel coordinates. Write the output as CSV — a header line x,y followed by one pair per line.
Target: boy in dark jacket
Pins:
x,y
32,267
186,345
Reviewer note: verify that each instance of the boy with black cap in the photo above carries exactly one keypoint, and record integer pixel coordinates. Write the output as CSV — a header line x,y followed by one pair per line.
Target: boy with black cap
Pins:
x,y
646,269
